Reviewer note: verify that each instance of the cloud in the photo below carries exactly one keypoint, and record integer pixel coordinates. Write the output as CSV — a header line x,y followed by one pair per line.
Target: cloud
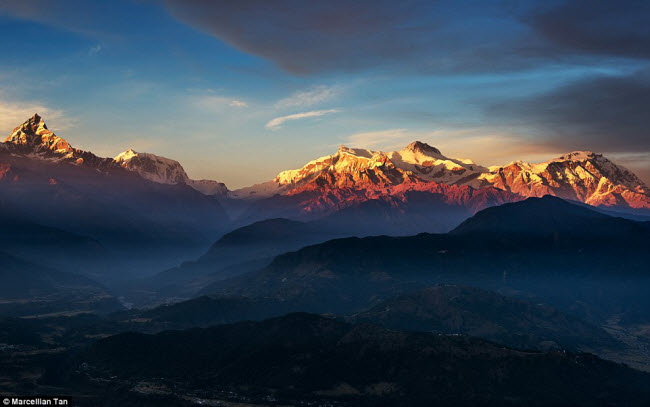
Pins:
x,y
339,35
422,35
378,139
238,103
601,113
94,50
599,27
217,103
12,114
278,121
310,97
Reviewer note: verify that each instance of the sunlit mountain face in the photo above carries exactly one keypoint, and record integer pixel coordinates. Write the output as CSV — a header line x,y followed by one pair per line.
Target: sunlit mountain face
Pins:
x,y
178,226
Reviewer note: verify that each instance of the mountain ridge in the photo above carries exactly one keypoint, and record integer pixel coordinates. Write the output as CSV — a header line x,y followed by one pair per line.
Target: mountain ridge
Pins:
x,y
352,175
580,175
33,139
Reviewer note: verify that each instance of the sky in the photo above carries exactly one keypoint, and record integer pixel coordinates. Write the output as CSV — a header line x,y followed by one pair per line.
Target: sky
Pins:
x,y
238,91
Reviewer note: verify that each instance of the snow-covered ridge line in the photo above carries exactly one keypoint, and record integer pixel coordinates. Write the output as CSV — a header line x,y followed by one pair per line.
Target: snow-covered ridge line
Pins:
x,y
580,175
34,140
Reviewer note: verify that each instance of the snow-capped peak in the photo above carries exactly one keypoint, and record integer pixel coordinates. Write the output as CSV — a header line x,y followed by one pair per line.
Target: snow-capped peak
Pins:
x,y
125,156
423,148
429,163
158,169
165,171
417,161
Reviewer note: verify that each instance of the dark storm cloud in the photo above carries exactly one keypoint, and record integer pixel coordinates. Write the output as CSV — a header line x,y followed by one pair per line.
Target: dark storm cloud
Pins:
x,y
340,35
619,27
429,36
602,113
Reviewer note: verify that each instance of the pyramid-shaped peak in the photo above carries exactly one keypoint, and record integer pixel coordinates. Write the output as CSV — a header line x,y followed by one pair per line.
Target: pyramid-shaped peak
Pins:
x,y
33,124
35,119
422,147
30,131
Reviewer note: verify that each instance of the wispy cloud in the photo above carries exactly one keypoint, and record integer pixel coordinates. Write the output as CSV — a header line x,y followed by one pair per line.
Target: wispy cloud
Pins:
x,y
13,114
94,50
278,121
377,139
238,103
310,97
217,103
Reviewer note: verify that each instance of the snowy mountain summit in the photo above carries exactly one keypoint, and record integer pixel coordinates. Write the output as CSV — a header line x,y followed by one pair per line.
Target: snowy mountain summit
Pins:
x,y
166,171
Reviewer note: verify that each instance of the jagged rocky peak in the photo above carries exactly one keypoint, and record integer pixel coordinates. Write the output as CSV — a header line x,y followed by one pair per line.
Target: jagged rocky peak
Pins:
x,y
35,125
33,136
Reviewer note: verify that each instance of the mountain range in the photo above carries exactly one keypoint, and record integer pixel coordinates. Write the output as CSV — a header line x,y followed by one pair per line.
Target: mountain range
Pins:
x,y
133,216
352,176
145,214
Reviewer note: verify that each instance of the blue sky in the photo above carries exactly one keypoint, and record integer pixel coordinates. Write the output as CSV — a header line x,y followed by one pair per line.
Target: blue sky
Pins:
x,y
238,91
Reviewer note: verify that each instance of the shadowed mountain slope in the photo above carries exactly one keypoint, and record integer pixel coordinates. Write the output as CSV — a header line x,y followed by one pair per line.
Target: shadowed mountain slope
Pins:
x,y
575,256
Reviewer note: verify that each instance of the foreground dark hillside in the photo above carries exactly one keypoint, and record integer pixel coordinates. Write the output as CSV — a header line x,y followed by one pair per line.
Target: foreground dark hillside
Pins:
x,y
314,359
443,309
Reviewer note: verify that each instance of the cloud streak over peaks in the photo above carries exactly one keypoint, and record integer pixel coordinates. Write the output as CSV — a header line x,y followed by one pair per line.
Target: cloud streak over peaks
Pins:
x,y
279,121
310,97
378,139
